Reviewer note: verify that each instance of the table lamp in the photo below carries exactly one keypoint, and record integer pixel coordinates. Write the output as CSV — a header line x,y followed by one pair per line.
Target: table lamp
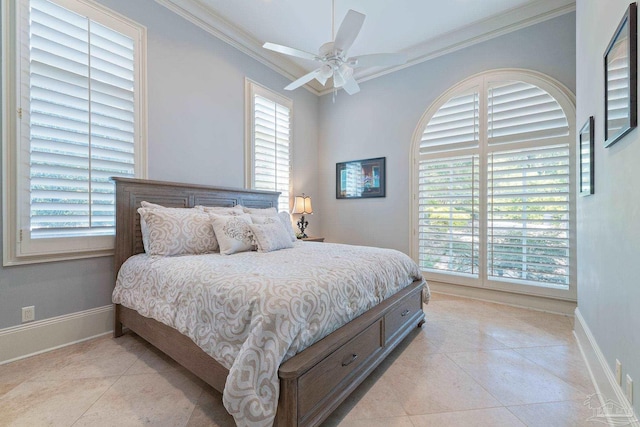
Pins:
x,y
302,205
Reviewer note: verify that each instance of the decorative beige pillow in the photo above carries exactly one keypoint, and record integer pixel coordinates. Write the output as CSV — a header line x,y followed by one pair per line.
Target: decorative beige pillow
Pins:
x,y
233,233
264,219
176,231
150,205
283,217
271,236
261,211
222,210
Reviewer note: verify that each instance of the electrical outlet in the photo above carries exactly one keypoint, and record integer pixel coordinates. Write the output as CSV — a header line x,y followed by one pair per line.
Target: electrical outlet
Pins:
x,y
618,372
629,389
28,314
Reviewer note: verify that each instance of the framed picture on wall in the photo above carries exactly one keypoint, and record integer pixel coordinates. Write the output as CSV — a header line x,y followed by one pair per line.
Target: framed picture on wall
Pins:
x,y
621,79
585,148
361,179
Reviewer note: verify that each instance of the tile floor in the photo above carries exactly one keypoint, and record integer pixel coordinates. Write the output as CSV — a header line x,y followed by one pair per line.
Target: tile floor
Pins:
x,y
472,364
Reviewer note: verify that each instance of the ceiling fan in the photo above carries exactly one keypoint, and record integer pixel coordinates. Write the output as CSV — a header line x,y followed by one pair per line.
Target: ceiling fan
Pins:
x,y
333,58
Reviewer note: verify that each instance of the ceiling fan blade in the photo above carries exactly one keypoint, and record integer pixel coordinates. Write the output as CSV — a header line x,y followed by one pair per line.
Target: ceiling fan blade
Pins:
x,y
351,86
348,30
378,60
289,51
303,80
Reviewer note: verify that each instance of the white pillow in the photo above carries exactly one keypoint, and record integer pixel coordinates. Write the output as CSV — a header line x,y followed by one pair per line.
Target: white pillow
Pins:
x,y
222,210
176,231
271,236
285,217
261,212
233,233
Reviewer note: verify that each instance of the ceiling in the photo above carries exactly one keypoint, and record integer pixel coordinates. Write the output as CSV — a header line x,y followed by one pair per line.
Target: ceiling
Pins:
x,y
423,29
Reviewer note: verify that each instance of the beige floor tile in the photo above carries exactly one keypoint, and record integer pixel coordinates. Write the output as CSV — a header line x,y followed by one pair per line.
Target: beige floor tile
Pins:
x,y
100,358
435,384
12,374
516,333
56,403
164,399
443,336
469,361
376,401
108,345
152,360
556,414
80,366
565,362
513,379
380,422
210,412
493,417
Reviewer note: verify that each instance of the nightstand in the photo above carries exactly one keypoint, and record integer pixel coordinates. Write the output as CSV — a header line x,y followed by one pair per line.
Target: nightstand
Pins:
x,y
313,239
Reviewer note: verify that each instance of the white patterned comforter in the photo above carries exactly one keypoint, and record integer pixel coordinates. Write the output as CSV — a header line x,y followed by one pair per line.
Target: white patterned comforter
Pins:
x,y
252,311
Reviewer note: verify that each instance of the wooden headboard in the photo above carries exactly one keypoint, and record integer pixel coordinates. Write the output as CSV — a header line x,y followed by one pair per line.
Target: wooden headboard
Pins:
x,y
130,192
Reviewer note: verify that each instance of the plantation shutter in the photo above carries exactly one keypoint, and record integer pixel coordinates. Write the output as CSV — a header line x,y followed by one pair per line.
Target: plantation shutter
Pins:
x,y
528,187
449,188
81,121
448,214
519,111
271,153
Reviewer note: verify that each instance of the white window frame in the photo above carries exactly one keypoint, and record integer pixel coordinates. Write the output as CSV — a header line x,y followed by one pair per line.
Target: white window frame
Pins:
x,y
481,82
17,247
251,89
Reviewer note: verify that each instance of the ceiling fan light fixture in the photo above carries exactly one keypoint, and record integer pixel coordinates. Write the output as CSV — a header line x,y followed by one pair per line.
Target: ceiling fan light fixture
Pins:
x,y
346,71
325,72
341,75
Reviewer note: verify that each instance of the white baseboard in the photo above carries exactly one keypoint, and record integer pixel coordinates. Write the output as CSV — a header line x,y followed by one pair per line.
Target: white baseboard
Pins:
x,y
614,406
44,335
534,302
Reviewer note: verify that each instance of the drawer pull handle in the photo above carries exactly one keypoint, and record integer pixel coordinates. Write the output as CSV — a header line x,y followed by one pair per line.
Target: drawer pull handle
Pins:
x,y
404,313
350,361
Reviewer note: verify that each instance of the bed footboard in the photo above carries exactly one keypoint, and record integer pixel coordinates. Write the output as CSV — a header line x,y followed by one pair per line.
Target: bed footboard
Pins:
x,y
317,380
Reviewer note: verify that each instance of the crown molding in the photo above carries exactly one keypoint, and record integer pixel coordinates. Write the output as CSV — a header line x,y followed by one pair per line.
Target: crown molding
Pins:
x,y
477,32
515,19
205,18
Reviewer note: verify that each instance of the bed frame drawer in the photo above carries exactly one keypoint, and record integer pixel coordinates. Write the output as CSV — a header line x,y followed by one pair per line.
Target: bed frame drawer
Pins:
x,y
397,318
329,373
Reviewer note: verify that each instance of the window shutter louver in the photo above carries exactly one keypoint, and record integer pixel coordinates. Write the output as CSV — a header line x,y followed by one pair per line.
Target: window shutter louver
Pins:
x,y
519,111
82,129
453,127
271,151
529,212
448,214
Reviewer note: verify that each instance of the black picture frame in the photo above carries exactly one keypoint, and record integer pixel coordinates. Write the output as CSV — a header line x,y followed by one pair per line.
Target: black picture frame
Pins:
x,y
621,79
586,158
358,179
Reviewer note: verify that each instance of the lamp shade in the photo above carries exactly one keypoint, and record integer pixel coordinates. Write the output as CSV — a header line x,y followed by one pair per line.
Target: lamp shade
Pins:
x,y
302,205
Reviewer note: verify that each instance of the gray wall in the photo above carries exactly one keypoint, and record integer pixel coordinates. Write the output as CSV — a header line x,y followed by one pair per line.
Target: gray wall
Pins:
x,y
381,119
196,134
608,226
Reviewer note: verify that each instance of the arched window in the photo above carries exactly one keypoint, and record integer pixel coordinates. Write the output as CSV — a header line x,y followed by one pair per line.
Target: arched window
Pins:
x,y
494,185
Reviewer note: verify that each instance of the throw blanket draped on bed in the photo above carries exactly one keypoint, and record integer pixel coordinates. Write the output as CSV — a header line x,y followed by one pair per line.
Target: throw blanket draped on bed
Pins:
x,y
252,311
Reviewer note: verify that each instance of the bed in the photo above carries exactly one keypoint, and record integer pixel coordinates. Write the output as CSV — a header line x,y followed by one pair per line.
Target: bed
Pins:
x,y
313,382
